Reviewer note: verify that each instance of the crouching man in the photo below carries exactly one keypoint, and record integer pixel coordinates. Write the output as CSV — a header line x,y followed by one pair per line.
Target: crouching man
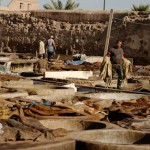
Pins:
x,y
42,65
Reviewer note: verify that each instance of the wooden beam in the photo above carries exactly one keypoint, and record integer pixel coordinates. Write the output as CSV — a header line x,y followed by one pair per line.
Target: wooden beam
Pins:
x,y
108,32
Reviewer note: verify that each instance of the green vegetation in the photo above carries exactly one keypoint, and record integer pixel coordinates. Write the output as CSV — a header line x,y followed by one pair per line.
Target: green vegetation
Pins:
x,y
140,8
58,5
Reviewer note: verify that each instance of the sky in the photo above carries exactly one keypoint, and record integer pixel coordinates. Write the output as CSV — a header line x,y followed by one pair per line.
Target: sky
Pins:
x,y
97,4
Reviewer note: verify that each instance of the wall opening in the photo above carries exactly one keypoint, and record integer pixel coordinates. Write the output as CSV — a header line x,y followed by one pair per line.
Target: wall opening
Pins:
x,y
21,5
28,6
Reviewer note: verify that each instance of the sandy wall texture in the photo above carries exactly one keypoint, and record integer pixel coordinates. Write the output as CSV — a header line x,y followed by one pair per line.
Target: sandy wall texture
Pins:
x,y
76,30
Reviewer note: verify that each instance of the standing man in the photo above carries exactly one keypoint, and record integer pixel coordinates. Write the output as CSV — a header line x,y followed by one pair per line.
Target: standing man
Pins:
x,y
116,58
51,48
41,47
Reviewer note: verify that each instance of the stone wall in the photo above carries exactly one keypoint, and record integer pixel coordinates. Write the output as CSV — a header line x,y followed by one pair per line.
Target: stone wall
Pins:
x,y
76,31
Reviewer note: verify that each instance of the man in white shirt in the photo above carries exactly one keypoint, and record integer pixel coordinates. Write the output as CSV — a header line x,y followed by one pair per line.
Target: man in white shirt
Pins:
x,y
41,47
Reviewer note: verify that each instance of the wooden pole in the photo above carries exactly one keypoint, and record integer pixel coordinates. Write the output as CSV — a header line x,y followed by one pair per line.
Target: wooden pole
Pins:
x,y
108,32
36,54
104,5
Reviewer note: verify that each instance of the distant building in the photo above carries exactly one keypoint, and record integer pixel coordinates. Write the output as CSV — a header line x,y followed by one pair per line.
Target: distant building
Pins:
x,y
18,5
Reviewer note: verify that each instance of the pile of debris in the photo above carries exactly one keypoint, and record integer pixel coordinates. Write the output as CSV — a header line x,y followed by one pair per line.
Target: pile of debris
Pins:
x,y
56,64
20,117
85,67
141,71
24,118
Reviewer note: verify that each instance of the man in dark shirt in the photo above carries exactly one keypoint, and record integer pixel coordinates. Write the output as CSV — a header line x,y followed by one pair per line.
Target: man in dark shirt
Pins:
x,y
116,57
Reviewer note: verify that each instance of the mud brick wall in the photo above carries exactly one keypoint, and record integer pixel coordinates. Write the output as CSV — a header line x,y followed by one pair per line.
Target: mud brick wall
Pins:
x,y
79,30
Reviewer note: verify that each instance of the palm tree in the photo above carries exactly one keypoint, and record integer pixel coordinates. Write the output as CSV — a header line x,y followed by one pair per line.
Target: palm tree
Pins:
x,y
55,5
58,5
71,5
140,8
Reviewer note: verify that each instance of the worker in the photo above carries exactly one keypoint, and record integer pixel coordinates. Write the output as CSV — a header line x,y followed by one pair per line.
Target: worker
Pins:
x,y
42,64
116,58
51,48
41,47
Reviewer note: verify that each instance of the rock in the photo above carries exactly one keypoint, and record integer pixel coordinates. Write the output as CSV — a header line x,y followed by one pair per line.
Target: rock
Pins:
x,y
102,104
9,133
60,132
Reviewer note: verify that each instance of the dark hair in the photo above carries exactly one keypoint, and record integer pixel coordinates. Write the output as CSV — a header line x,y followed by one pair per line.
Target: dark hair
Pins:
x,y
40,55
118,41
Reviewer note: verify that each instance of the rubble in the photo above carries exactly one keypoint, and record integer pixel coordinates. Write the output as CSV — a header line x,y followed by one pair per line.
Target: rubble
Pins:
x,y
49,109
69,107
